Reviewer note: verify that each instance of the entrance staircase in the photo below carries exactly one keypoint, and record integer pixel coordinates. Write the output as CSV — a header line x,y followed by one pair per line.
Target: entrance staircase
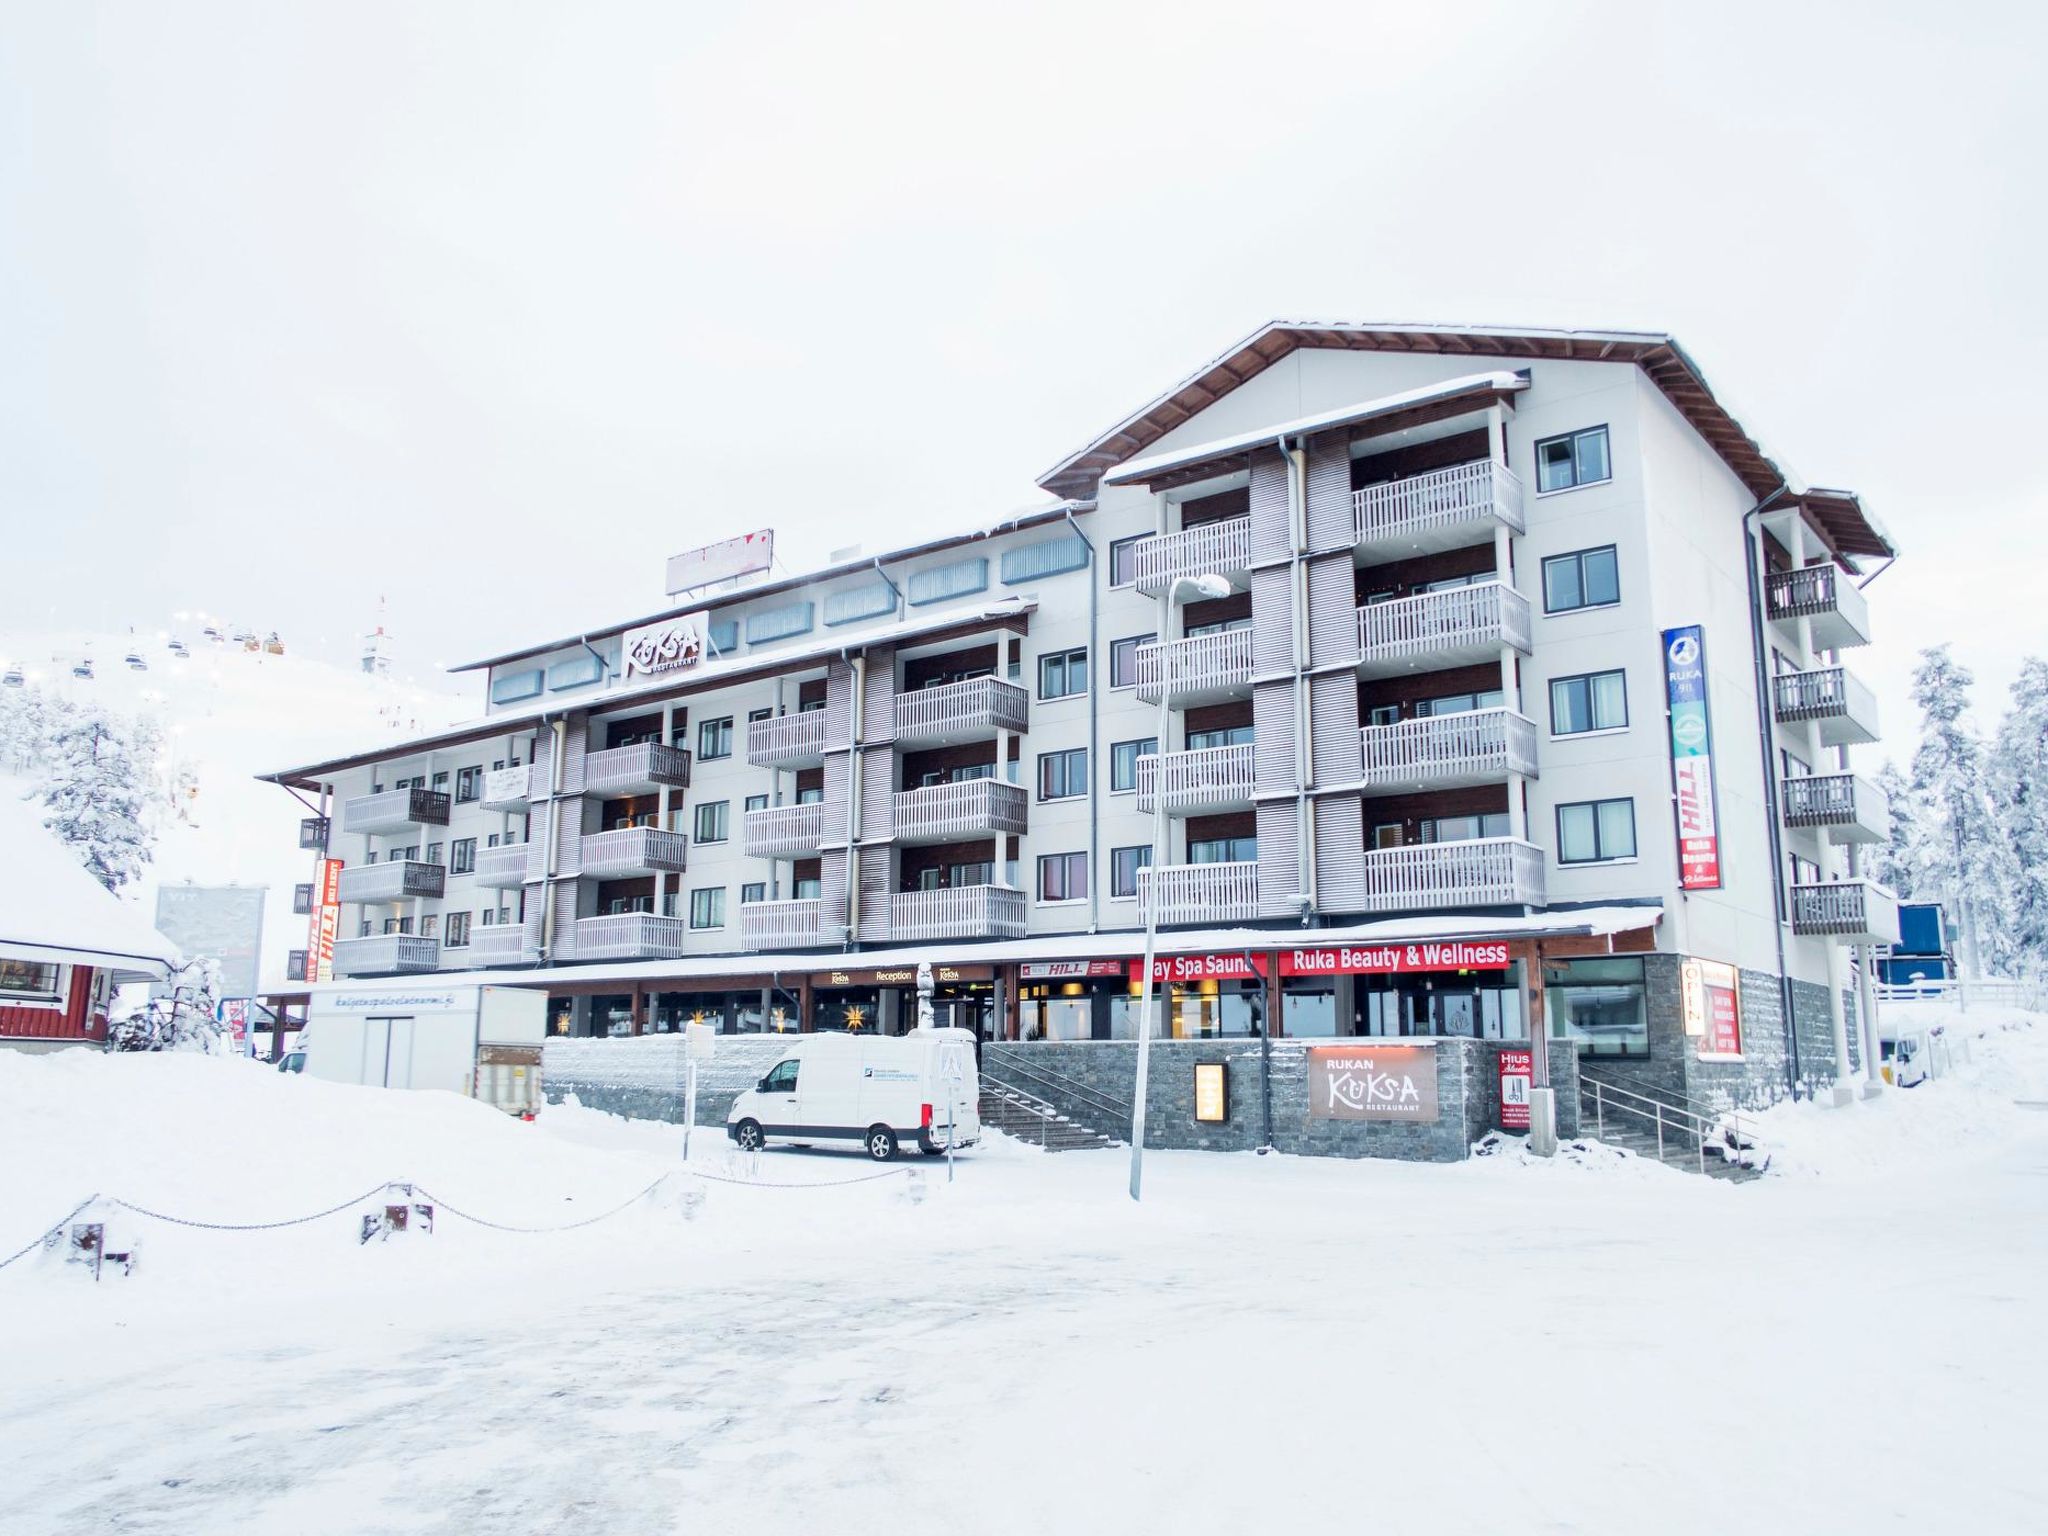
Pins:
x,y
1013,1101
1673,1128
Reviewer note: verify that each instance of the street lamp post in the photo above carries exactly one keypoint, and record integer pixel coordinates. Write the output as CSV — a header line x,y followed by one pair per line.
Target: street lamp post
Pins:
x,y
1207,587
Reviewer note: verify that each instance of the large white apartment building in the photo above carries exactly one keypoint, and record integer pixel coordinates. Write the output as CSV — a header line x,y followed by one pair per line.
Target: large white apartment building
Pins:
x,y
1436,706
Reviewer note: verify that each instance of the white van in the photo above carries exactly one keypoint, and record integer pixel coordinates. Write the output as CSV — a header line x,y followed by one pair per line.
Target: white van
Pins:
x,y
879,1090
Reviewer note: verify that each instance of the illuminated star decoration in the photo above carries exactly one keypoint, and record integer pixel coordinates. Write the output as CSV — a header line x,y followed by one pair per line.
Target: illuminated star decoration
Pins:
x,y
855,1017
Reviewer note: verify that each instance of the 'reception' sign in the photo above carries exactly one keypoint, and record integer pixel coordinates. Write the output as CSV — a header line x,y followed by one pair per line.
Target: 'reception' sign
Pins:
x,y
1373,1082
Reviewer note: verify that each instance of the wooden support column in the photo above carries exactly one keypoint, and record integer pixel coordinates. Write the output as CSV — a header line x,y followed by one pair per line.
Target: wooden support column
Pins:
x,y
639,1005
803,1005
1274,996
1530,953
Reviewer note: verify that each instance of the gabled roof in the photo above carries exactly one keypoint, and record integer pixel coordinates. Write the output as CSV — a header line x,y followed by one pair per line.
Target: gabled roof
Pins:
x,y
53,910
1659,355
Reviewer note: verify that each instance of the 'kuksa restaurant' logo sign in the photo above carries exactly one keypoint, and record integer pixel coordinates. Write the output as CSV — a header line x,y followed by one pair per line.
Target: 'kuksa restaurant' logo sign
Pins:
x,y
666,645
1372,1082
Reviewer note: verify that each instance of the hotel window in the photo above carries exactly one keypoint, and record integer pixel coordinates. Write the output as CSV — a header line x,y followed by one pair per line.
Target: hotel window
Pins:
x,y
469,784
724,635
714,739
809,796
962,578
869,602
1124,864
1223,850
1220,627
1123,660
1595,831
1229,736
430,925
712,818
759,714
757,802
1063,674
779,623
807,890
1591,701
1577,458
1601,1003
1384,714
753,891
1063,775
1063,877
1462,829
1123,763
1460,703
1123,560
1049,557
707,907
462,856
458,930
1586,578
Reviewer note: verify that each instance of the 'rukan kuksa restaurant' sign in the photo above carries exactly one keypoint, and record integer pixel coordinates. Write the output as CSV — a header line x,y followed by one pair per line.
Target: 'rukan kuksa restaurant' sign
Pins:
x,y
1330,960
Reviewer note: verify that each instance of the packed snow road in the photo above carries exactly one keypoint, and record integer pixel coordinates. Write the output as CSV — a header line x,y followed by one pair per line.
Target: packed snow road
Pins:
x,y
1266,1344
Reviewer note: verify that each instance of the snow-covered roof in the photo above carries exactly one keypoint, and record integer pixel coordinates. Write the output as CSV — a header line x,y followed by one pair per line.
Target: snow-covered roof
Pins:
x,y
1138,471
52,909
1584,922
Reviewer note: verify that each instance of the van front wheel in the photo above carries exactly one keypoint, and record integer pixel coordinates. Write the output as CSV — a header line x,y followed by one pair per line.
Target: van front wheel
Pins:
x,y
748,1134
881,1143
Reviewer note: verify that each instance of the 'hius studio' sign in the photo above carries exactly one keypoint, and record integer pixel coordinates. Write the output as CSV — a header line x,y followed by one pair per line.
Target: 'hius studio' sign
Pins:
x,y
667,645
1372,1082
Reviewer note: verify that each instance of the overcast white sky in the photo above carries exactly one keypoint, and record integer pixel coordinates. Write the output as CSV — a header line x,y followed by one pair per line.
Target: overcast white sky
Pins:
x,y
298,302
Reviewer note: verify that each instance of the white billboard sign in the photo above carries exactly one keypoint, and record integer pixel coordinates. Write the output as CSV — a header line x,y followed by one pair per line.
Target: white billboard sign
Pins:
x,y
723,561
667,645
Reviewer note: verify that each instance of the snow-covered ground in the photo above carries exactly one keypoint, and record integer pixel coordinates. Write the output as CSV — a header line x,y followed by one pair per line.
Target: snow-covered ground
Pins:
x,y
1267,1344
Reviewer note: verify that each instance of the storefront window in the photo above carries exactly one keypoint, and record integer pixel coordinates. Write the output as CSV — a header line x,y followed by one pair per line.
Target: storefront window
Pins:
x,y
1478,1005
1602,1004
1308,1006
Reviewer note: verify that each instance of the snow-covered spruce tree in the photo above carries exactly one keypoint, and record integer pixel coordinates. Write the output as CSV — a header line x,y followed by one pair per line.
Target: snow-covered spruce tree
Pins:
x,y
29,717
180,1020
1891,862
2016,774
95,795
1953,853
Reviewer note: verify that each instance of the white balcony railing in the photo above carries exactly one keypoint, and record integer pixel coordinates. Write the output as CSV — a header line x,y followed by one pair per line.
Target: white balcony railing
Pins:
x,y
499,944
1836,610
1208,549
1195,668
393,810
1200,893
798,924
782,831
1439,509
507,789
1472,747
1847,808
502,867
787,741
636,770
965,912
939,813
629,936
386,954
392,880
1484,872
962,711
1853,911
1442,628
1207,778
633,851
1841,707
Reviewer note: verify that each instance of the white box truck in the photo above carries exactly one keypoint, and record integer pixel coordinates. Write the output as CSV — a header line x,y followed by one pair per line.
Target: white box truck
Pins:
x,y
882,1091
482,1042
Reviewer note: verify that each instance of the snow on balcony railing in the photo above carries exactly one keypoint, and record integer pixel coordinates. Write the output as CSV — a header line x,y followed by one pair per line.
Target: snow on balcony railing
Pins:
x,y
1483,872
636,770
1196,780
629,936
970,808
783,739
503,866
1200,893
1477,743
385,954
633,851
965,912
1443,498
392,880
971,707
795,924
777,830
1488,613
1195,666
1219,549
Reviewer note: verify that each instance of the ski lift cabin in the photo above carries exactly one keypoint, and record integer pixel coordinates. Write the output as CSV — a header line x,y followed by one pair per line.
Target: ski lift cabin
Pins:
x,y
274,646
213,634
83,669
177,649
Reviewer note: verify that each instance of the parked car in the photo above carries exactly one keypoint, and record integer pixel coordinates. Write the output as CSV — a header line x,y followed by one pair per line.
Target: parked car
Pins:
x,y
880,1091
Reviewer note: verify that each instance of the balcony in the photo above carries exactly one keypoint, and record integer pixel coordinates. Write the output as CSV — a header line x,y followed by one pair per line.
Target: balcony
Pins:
x,y
500,944
1852,911
1831,698
784,831
502,868
1444,509
1199,669
944,813
1218,549
632,851
798,924
1460,626
1479,746
1843,807
965,912
393,880
787,741
1200,893
507,789
313,831
636,770
393,810
295,965
1836,610
629,936
1206,779
964,711
386,954
1431,877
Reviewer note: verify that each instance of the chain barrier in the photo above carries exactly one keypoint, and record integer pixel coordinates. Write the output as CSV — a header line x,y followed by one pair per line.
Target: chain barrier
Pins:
x,y
248,1226
569,1226
48,1232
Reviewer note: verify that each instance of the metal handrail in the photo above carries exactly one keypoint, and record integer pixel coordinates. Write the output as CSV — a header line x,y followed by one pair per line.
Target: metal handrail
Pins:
x,y
1040,1109
1643,1086
1060,1082
1725,1124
